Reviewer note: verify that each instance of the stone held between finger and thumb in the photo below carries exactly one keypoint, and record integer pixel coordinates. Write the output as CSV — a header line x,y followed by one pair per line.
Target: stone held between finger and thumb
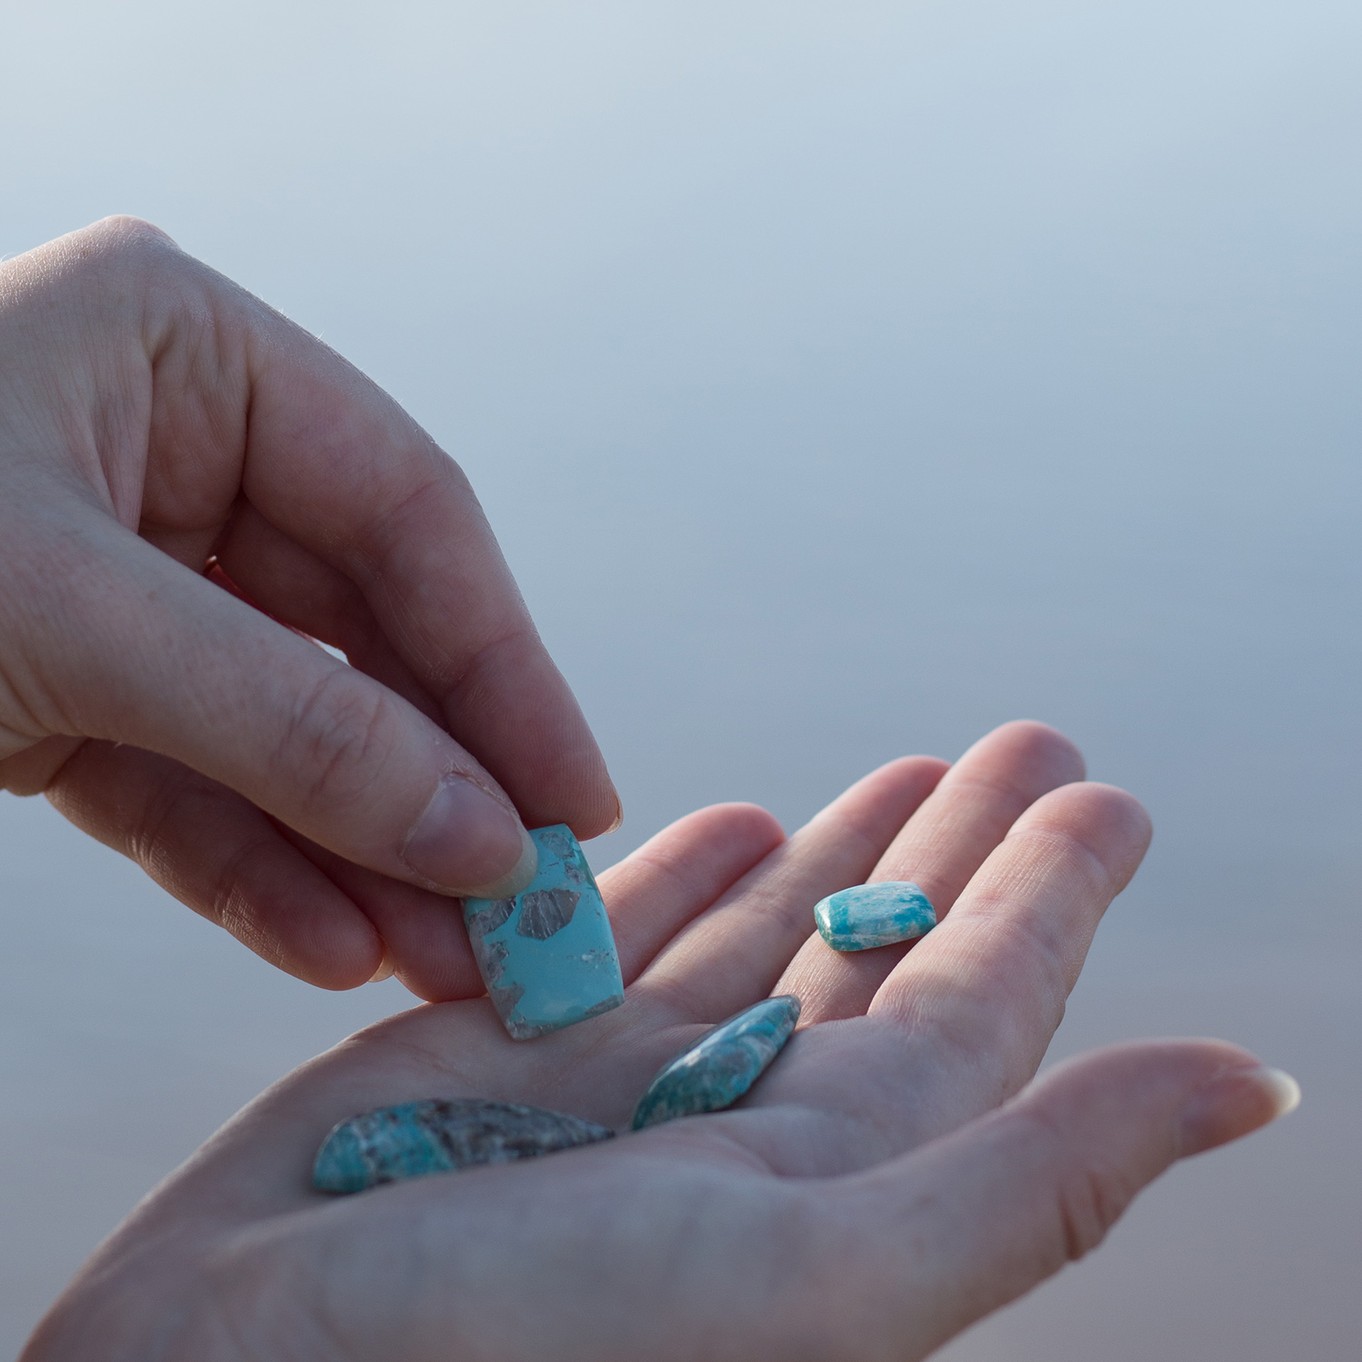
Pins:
x,y
547,954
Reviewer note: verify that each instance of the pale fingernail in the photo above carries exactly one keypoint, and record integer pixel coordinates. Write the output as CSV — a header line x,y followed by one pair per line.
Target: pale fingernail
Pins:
x,y
467,843
384,971
1235,1102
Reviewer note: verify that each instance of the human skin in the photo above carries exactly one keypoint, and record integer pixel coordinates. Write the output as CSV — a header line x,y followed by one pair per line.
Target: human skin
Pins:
x,y
163,436
894,1177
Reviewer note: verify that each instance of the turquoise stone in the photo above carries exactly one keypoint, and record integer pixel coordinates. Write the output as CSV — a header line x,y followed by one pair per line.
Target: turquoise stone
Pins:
x,y
721,1066
441,1136
870,915
547,956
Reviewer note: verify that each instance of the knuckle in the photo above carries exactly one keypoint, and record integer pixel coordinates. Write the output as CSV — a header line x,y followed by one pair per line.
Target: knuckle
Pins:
x,y
124,232
338,736
675,997
1091,1199
150,832
231,904
1038,942
116,254
110,273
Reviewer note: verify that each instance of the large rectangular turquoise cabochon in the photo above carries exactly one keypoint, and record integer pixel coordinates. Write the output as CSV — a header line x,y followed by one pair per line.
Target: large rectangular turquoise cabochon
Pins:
x,y
548,955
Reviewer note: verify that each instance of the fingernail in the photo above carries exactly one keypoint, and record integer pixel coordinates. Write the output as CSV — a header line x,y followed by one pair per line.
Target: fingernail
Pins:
x,y
384,971
1234,1102
468,844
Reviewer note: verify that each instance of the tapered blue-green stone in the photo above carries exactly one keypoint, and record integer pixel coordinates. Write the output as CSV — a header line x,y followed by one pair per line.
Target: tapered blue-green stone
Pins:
x,y
548,955
440,1135
870,915
721,1066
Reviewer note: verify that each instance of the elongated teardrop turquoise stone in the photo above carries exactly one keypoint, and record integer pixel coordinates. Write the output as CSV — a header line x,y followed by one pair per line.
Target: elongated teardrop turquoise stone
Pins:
x,y
721,1066
548,955
870,915
441,1136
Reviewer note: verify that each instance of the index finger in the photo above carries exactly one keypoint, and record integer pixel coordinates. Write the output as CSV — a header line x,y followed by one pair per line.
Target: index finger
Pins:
x,y
336,465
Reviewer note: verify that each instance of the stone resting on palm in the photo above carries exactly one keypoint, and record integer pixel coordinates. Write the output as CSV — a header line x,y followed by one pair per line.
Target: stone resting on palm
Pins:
x,y
894,1177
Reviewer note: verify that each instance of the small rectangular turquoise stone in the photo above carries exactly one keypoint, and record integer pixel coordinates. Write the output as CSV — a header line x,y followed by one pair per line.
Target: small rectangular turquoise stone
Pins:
x,y
867,916
548,955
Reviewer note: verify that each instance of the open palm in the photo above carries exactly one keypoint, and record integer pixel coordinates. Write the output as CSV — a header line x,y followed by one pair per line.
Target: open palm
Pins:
x,y
880,1189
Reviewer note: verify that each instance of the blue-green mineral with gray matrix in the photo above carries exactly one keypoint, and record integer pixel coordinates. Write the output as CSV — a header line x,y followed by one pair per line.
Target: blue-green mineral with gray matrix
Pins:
x,y
721,1066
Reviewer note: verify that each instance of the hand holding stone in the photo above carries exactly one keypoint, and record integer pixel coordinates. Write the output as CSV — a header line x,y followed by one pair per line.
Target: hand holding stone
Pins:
x,y
895,1175
164,435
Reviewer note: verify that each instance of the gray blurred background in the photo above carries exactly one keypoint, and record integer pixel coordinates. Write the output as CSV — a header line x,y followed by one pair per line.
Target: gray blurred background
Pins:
x,y
912,367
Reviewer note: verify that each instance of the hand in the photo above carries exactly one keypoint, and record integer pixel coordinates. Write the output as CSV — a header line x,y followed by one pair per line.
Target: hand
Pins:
x,y
882,1186
164,435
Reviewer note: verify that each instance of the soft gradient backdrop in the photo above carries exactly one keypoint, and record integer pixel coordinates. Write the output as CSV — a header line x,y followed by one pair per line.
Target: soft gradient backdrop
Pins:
x,y
908,367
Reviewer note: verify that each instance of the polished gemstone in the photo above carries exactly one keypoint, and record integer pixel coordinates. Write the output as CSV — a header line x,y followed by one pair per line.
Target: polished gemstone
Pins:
x,y
870,915
547,956
721,1066
441,1136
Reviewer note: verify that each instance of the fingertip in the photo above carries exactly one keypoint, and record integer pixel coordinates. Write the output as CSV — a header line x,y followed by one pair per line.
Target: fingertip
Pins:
x,y
419,933
1011,1197
1135,822
680,873
1282,1088
1213,1091
732,834
587,820
467,844
329,961
1111,823
740,821
1028,744
576,790
1117,804
915,771
434,960
1235,1102
514,880
1093,802
340,954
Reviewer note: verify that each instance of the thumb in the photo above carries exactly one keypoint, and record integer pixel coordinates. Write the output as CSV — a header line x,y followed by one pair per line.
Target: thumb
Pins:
x,y
150,654
1003,1204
